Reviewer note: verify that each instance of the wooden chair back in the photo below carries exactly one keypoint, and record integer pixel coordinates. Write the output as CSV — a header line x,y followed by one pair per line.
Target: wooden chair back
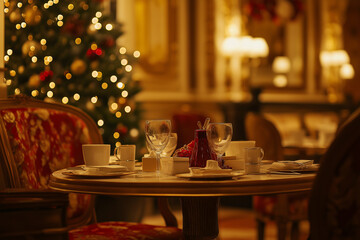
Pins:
x,y
282,208
266,135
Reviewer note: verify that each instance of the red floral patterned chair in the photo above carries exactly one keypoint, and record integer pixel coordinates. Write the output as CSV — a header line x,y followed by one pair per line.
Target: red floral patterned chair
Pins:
x,y
282,208
38,138
334,206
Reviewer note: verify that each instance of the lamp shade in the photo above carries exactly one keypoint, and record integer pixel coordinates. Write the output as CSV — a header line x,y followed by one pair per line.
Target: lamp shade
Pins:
x,y
347,71
334,58
231,46
259,48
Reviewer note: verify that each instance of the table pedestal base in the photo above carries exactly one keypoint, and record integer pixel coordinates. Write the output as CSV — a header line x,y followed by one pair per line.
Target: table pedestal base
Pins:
x,y
200,217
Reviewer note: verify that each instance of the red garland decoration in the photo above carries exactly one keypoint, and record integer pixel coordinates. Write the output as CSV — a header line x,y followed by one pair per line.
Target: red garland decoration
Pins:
x,y
74,26
255,9
46,75
108,42
185,151
94,54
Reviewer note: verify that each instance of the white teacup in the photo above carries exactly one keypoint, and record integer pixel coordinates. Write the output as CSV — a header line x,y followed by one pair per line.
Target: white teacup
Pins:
x,y
253,157
236,148
125,152
96,154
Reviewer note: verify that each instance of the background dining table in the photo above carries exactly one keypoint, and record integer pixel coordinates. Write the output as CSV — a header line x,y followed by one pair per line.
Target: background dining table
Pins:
x,y
199,197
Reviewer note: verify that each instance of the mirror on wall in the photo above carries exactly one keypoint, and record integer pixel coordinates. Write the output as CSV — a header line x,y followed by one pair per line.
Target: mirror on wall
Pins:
x,y
282,24
180,43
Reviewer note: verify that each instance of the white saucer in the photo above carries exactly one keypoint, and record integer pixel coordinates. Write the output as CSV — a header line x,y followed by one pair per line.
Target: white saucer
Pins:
x,y
97,171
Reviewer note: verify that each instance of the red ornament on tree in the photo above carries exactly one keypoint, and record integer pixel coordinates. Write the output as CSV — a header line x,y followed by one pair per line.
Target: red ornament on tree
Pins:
x,y
122,129
46,75
94,54
74,26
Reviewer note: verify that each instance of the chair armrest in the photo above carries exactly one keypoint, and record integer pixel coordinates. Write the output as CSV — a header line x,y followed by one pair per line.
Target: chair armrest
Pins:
x,y
30,198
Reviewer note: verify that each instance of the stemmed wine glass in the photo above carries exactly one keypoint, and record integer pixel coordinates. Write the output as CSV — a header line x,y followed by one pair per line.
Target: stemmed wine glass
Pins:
x,y
219,137
171,146
157,136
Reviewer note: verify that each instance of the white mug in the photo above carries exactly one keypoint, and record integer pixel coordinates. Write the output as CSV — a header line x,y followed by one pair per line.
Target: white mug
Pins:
x,y
125,152
253,157
236,148
96,154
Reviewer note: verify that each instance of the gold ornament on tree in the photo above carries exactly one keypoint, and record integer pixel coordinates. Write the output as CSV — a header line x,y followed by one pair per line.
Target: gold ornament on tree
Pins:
x,y
30,47
32,15
34,81
15,16
78,67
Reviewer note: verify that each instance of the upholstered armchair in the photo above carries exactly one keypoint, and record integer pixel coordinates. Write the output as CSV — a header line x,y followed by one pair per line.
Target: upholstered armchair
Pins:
x,y
38,138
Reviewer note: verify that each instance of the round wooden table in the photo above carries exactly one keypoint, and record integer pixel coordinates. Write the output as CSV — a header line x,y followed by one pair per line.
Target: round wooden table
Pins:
x,y
199,198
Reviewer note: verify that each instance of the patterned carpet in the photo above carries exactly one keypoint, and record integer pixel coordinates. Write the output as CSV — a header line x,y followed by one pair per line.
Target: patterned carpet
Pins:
x,y
235,224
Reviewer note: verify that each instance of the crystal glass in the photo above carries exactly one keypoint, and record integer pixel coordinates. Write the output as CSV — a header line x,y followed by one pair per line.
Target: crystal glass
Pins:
x,y
219,137
157,134
170,147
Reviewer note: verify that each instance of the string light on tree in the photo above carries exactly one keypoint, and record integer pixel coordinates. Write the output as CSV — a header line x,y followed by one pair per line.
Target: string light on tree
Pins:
x,y
65,100
100,122
94,99
116,135
113,79
72,52
50,94
136,54
120,85
76,97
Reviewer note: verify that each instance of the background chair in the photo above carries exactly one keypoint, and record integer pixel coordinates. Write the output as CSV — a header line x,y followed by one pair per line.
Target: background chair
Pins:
x,y
282,208
334,207
38,138
185,124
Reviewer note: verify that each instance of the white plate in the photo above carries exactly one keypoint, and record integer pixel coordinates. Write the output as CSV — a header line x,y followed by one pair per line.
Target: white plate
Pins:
x,y
209,175
198,171
82,173
310,168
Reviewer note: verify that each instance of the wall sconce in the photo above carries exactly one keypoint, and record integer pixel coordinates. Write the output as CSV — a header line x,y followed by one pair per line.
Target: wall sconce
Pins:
x,y
236,48
334,58
259,48
281,66
231,46
336,67
245,46
347,71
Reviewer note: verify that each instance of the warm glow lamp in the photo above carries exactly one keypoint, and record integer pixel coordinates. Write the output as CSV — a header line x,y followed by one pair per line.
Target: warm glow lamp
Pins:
x,y
334,58
281,64
280,80
231,46
347,71
246,46
259,48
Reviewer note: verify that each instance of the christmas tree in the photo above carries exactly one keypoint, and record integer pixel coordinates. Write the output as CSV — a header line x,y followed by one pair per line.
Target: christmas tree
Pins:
x,y
66,51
